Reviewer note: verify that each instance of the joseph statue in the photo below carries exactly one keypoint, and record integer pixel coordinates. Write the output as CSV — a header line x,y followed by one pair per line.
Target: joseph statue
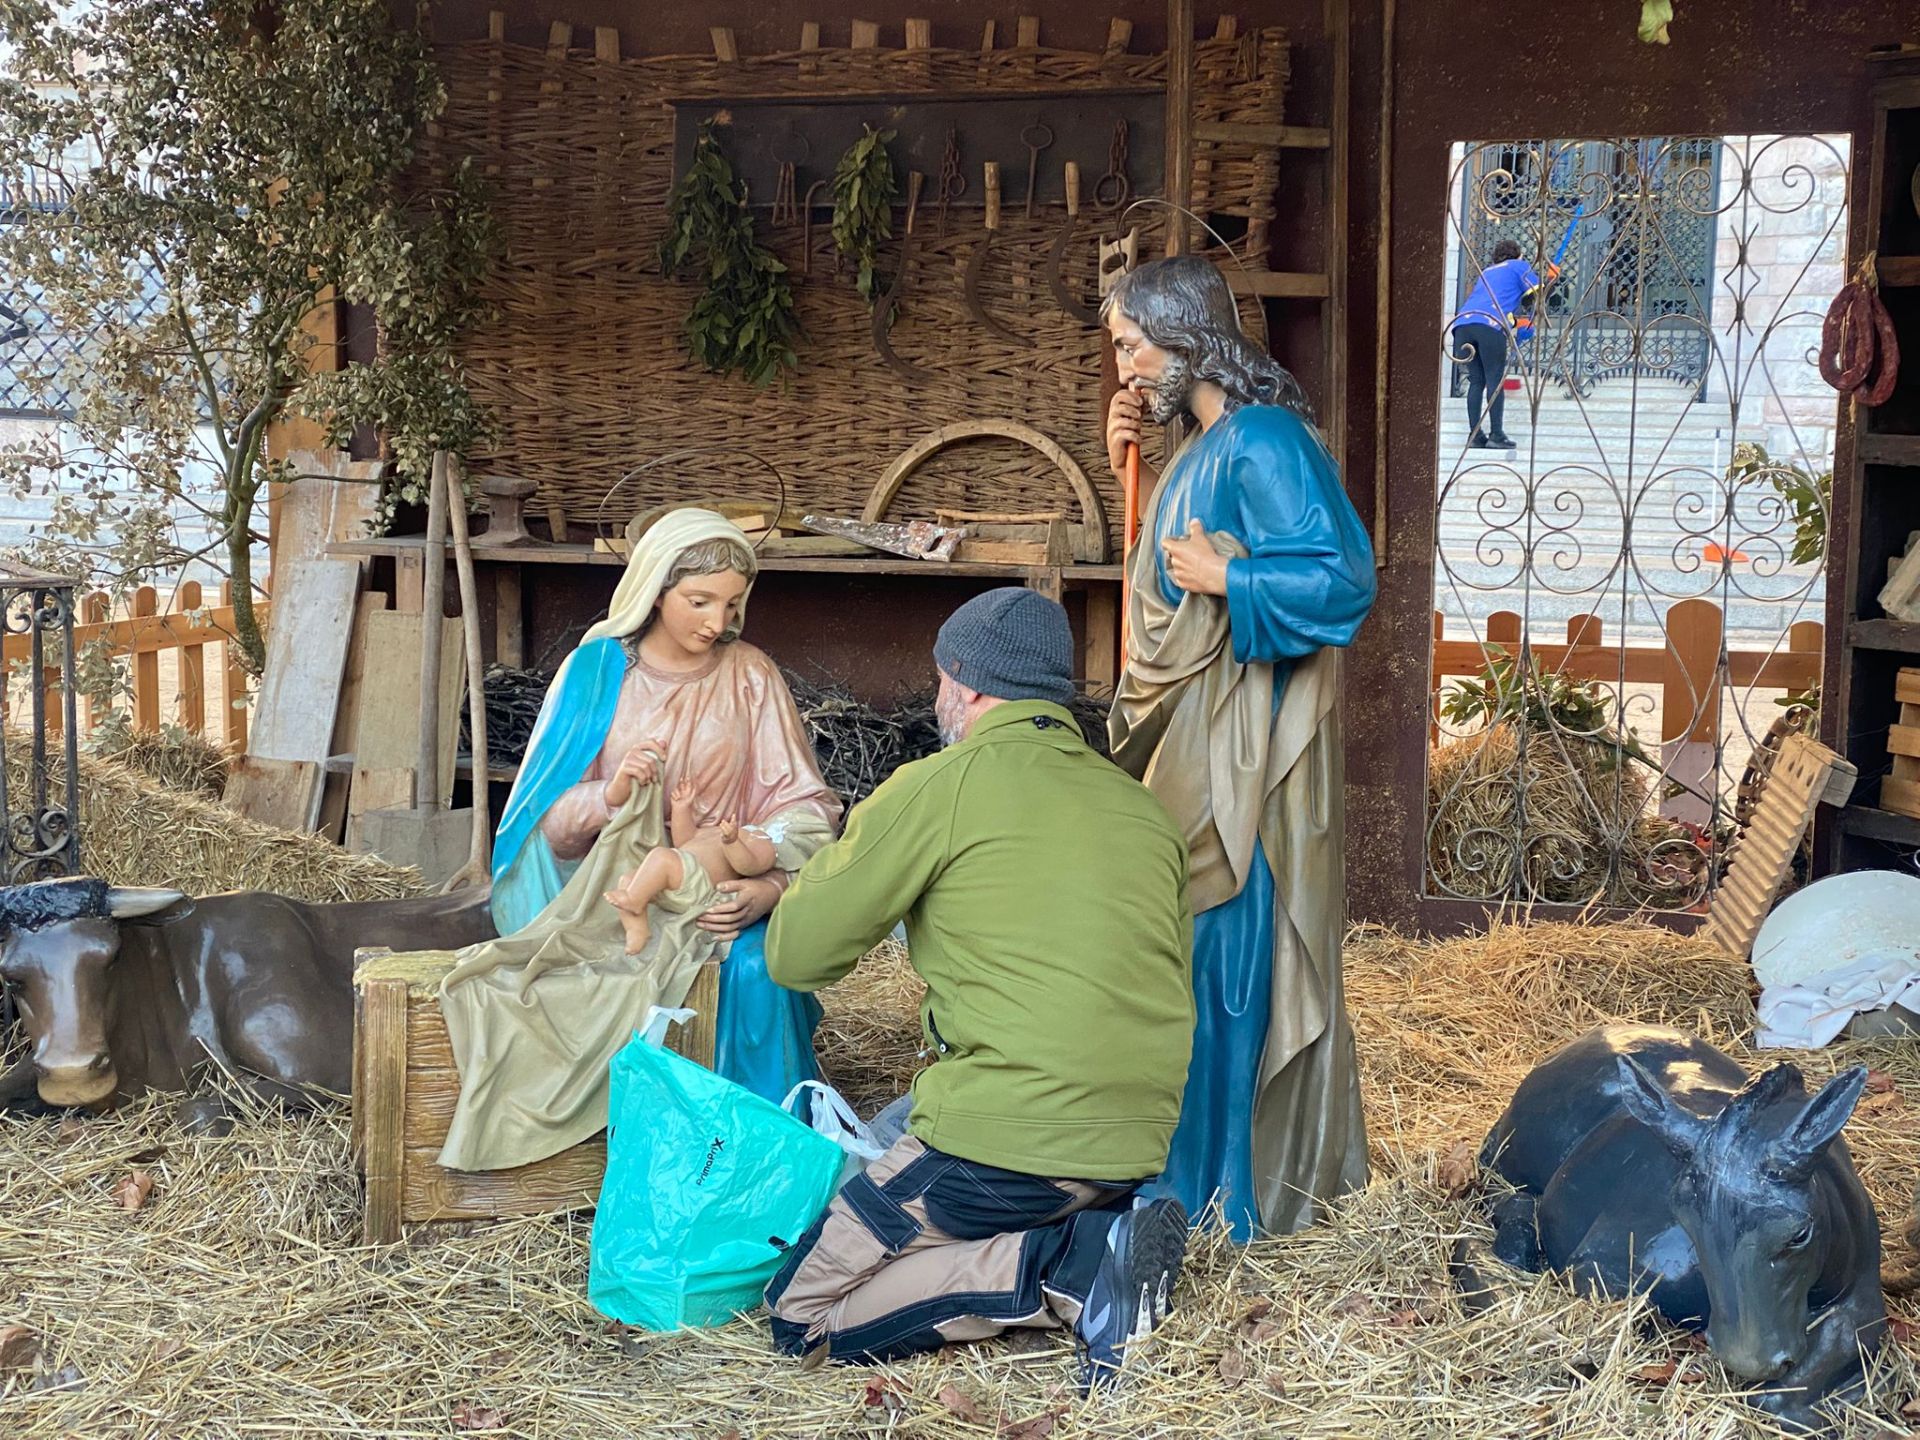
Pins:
x,y
1252,572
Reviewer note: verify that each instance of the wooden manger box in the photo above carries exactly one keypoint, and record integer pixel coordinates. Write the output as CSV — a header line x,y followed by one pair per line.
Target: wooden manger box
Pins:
x,y
405,1086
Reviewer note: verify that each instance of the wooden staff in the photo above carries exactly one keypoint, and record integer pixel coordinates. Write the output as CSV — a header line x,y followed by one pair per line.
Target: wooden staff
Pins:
x,y
1130,495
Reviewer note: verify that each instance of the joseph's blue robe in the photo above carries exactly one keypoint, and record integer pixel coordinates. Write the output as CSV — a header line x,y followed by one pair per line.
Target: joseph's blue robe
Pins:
x,y
765,1033
1261,475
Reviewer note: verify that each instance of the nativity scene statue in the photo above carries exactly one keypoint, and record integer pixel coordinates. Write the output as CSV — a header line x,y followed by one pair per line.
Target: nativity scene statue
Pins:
x,y
1252,572
661,699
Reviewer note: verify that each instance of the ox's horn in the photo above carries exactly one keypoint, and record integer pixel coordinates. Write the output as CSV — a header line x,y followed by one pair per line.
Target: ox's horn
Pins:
x,y
125,902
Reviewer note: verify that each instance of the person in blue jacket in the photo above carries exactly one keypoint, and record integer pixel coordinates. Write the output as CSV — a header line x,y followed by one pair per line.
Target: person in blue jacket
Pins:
x,y
1497,307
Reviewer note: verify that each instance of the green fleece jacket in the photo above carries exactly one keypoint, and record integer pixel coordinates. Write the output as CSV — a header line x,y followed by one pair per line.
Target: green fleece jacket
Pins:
x,y
1045,898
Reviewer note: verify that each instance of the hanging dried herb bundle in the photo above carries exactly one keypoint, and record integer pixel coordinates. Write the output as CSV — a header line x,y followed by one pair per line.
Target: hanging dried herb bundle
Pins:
x,y
864,188
743,321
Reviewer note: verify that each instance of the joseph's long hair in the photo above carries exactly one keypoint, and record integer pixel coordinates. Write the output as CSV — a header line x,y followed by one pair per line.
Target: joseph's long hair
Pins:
x,y
1182,304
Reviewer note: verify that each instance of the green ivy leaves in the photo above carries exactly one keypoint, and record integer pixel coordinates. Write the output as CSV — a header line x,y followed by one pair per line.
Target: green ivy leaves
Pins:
x,y
864,189
743,321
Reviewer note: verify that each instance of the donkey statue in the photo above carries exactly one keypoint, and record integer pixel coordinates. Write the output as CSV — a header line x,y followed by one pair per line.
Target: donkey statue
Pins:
x,y
1643,1159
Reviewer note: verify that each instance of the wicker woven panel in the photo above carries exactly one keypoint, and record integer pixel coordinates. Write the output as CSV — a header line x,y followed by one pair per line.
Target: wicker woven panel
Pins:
x,y
584,367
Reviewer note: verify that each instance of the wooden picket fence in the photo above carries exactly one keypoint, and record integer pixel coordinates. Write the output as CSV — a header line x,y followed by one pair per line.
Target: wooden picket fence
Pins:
x,y
145,634
1686,669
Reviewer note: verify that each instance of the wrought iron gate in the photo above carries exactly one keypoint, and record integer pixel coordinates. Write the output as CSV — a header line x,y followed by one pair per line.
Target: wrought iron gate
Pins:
x,y
1639,224
1627,600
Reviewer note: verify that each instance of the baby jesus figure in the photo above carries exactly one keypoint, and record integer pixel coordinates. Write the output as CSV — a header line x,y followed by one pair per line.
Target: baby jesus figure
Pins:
x,y
721,846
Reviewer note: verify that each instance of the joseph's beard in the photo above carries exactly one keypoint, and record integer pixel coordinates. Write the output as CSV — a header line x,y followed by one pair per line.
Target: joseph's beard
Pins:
x,y
951,721
1167,397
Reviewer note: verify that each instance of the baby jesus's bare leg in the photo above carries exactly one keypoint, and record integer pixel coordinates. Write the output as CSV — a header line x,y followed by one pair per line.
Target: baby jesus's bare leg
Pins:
x,y
748,851
659,872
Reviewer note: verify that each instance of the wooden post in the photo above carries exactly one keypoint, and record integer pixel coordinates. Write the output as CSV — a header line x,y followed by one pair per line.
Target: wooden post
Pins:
x,y
866,35
426,791
509,617
1383,285
1179,166
94,610
1334,312
1103,636
1119,36
193,669
1690,704
146,666
380,1100
725,49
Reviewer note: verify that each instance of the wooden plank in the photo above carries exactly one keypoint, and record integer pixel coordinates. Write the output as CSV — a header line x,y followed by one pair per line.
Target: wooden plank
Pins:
x,y
1101,658
337,781
866,35
1903,740
432,1098
382,1036
281,793
509,617
567,1181
1333,314
376,787
388,733
306,661
606,42
1899,270
1119,36
1254,133
919,34
427,1041
1906,687
1026,32
146,669
1690,681
725,48
1902,797
193,668
1179,122
1277,284
1383,288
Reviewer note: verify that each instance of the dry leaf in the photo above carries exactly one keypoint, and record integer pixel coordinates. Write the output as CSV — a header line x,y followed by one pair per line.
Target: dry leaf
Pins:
x,y
1456,1171
1038,1428
1656,1374
728,1435
469,1416
959,1404
1261,1332
1404,1319
19,1348
1233,1368
1879,1082
72,1127
1276,1384
133,1190
883,1393
1357,1306
1911,1410
1259,1310
1902,1330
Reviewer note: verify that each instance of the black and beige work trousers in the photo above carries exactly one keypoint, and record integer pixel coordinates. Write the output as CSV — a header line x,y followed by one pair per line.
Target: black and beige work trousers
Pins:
x,y
926,1248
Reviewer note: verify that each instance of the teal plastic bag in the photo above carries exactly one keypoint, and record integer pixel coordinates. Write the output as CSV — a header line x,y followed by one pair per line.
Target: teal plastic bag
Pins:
x,y
707,1187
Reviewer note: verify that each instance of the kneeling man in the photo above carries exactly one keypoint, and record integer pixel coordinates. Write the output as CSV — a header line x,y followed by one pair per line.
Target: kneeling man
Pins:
x,y
1045,899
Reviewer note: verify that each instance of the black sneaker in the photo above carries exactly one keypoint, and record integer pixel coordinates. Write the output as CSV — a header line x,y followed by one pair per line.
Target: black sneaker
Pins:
x,y
1477,441
1501,442
1132,1291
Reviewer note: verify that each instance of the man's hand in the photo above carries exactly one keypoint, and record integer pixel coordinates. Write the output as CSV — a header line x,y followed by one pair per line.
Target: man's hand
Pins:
x,y
639,766
1124,414
747,902
1193,564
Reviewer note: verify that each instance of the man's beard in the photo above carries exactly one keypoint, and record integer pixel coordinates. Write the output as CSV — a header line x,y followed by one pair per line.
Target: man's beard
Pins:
x,y
1167,397
950,715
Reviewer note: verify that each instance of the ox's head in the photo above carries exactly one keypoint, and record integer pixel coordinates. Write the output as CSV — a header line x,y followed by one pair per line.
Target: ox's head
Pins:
x,y
58,940
1747,1198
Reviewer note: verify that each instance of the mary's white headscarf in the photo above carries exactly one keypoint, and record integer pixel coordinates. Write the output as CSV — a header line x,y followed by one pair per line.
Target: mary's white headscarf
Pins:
x,y
654,554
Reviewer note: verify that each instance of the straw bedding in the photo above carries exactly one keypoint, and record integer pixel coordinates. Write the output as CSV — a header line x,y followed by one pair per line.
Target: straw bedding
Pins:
x,y
236,1301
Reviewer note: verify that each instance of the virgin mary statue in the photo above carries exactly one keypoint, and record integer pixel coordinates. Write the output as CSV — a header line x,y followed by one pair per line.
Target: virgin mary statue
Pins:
x,y
661,693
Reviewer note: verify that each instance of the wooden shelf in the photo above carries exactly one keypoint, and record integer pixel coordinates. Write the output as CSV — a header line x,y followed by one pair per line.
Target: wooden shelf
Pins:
x,y
1279,284
542,553
1888,449
1900,636
1869,823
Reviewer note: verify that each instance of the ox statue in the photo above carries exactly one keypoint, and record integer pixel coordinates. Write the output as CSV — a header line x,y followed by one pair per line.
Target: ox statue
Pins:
x,y
1644,1159
124,990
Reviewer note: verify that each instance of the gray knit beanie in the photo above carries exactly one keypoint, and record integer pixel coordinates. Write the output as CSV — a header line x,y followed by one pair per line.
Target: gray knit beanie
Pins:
x,y
1012,644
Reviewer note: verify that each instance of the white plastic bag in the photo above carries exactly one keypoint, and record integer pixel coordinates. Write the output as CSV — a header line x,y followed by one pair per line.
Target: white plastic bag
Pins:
x,y
830,1115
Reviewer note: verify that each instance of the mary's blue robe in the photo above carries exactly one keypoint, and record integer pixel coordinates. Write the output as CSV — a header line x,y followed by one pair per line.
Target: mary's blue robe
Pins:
x,y
1261,475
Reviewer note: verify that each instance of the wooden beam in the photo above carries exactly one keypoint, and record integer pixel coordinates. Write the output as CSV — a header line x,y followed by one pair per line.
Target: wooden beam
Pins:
x,y
1276,284
866,35
496,25
1026,32
1179,122
1227,27
606,43
1334,315
725,50
1900,270
1383,288
1119,36
919,34
1249,132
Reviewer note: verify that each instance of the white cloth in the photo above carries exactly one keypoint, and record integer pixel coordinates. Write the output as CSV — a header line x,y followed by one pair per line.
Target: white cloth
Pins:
x,y
1802,1017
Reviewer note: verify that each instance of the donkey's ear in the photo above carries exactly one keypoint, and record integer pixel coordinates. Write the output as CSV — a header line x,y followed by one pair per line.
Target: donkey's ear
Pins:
x,y
1649,1102
1792,1156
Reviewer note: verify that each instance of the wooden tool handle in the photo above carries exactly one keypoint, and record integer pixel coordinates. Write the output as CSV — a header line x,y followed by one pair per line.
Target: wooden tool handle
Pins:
x,y
1130,522
916,182
1073,189
991,170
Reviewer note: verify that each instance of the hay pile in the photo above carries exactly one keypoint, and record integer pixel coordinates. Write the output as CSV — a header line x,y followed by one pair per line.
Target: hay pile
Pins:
x,y
235,1302
137,831
1583,803
178,759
